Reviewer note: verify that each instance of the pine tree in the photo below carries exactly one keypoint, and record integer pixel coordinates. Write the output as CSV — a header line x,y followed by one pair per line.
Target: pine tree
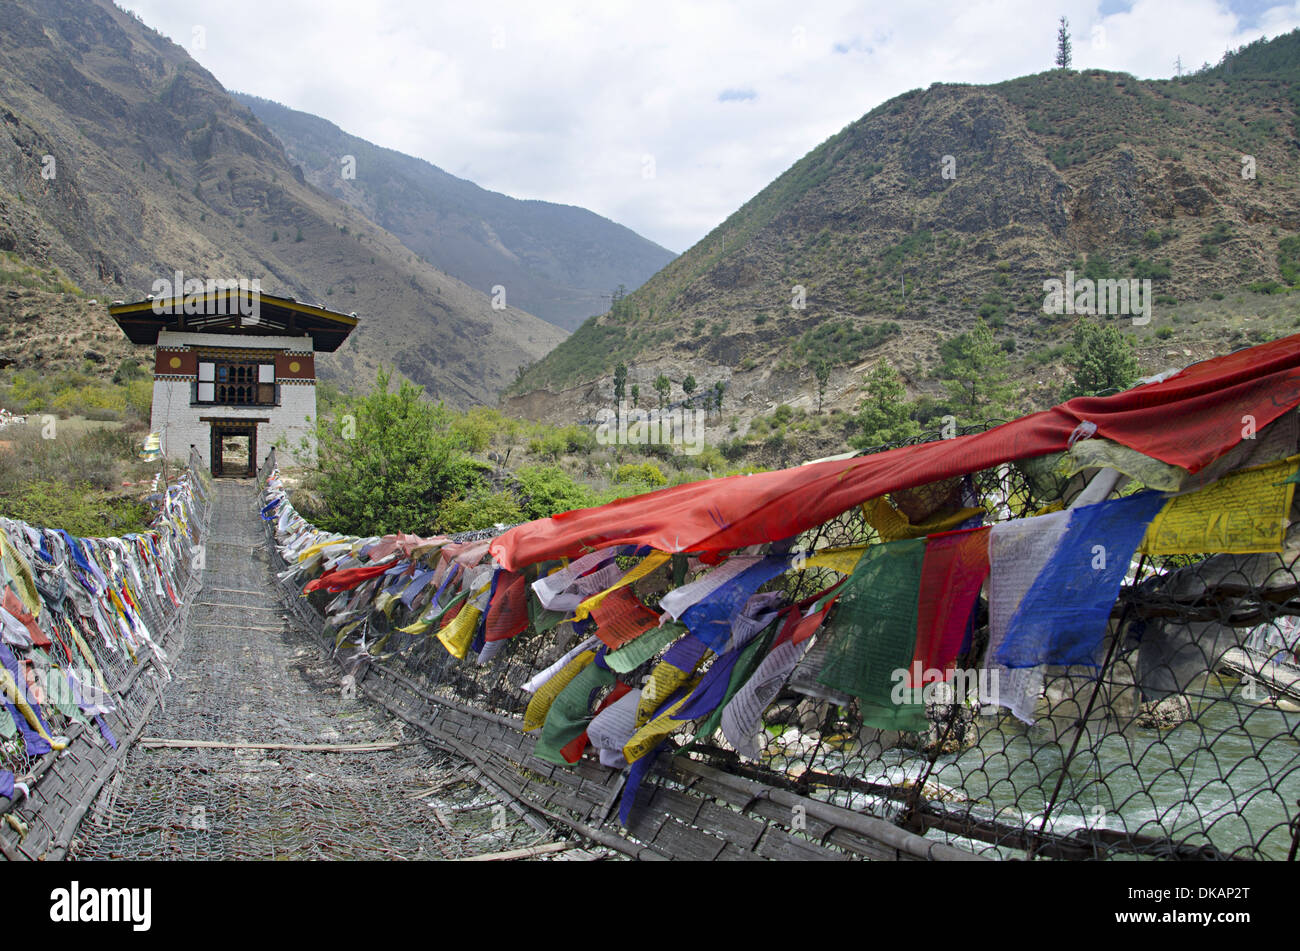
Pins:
x,y
822,371
663,387
885,415
974,371
620,383
1063,54
1101,358
688,387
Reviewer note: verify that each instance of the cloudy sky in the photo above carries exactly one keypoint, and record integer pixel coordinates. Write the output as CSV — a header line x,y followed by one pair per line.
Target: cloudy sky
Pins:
x,y
665,116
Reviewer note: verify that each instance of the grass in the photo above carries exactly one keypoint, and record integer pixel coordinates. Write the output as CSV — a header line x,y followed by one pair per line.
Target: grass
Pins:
x,y
69,475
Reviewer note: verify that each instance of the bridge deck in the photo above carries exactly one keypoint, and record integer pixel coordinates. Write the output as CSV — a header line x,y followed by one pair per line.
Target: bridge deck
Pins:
x,y
248,673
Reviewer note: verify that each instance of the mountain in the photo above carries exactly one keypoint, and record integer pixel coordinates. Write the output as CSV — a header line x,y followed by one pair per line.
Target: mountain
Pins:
x,y
122,161
961,201
556,261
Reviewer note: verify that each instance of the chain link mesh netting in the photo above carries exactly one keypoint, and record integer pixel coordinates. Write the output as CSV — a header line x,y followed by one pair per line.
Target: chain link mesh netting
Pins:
x,y
1181,745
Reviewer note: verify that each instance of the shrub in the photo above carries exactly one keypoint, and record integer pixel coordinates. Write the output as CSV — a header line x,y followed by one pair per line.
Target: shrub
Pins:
x,y
387,461
646,473
478,509
546,490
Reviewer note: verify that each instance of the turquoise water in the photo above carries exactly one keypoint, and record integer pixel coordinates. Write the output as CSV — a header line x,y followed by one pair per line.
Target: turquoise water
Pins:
x,y
1229,776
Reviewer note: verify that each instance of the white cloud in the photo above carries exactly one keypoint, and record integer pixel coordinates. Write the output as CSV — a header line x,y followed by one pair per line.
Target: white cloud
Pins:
x,y
563,101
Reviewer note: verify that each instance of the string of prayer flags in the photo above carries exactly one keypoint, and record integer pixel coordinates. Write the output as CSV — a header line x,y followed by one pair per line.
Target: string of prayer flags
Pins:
x,y
1062,618
1242,513
874,633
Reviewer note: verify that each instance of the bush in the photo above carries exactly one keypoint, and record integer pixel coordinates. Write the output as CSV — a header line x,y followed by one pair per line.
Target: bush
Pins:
x,y
76,508
387,461
645,473
478,509
546,490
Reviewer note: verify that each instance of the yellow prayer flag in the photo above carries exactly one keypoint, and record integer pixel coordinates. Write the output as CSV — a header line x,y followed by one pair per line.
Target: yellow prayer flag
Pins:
x,y
540,705
458,634
892,525
20,573
843,560
664,679
648,737
1242,513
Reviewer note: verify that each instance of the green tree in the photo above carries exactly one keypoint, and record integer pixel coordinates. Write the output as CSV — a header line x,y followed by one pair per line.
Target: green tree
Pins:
x,y
885,415
387,460
1063,50
620,386
822,371
636,395
717,395
688,387
974,371
663,387
1100,358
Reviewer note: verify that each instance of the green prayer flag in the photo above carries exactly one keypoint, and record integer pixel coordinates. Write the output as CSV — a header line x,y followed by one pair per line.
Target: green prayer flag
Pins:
x,y
646,645
541,618
873,634
570,713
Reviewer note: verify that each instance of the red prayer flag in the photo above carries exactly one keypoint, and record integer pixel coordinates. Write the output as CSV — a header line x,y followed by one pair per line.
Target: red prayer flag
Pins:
x,y
621,617
954,569
508,609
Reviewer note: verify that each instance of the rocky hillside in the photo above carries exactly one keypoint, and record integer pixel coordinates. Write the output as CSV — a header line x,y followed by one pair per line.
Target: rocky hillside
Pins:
x,y
960,201
556,261
122,161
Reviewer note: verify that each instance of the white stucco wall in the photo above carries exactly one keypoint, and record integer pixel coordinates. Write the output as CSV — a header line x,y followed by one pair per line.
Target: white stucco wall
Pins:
x,y
178,422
